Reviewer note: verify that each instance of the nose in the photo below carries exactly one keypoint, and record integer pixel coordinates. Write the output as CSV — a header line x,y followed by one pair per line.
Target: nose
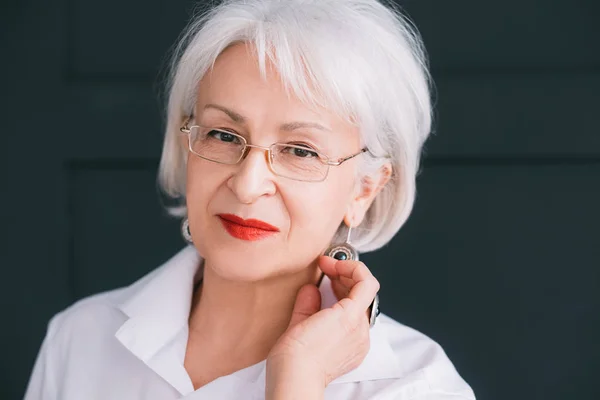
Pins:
x,y
253,177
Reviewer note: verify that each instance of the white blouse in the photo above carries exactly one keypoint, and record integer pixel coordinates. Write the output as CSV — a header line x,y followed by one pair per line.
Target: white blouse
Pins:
x,y
130,344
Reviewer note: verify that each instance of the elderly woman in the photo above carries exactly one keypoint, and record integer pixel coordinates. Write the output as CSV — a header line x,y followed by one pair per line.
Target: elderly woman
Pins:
x,y
292,140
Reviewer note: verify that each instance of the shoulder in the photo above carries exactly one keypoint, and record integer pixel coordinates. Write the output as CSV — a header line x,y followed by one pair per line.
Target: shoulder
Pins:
x,y
423,360
93,317
80,342
88,318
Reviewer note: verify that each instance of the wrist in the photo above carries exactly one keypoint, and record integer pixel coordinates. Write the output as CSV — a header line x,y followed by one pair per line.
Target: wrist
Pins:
x,y
290,379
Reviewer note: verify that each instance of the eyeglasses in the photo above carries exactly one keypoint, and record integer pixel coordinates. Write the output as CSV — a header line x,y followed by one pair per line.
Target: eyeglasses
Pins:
x,y
294,161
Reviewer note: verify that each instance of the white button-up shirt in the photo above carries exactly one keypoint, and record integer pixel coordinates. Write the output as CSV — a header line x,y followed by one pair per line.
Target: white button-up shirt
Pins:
x,y
130,344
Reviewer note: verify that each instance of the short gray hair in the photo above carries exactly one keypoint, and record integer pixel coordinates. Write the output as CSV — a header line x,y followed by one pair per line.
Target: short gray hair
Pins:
x,y
358,58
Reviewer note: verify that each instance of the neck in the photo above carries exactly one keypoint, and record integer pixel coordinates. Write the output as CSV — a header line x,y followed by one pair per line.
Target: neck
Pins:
x,y
245,319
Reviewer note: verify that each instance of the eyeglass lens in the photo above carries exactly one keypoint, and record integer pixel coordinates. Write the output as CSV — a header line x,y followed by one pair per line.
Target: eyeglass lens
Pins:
x,y
288,160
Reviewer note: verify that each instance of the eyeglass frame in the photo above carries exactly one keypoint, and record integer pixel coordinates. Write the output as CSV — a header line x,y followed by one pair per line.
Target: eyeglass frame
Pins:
x,y
244,153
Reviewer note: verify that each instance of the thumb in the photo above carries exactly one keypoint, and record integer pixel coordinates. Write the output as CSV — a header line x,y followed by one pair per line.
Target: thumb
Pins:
x,y
308,302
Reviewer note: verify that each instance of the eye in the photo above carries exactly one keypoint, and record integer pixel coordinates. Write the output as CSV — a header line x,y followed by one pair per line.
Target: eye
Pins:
x,y
224,136
302,151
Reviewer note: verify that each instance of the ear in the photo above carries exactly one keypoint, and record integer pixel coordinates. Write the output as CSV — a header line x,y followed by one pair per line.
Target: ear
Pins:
x,y
367,189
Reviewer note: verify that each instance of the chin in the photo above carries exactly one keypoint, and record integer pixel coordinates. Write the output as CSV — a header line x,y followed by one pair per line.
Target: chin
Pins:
x,y
239,265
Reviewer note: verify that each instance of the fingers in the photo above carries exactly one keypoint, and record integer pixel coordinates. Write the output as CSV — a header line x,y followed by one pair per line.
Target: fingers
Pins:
x,y
308,302
339,289
362,295
353,278
327,265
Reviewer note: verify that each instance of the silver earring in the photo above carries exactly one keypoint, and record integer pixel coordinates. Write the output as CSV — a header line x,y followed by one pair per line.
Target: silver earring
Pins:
x,y
185,231
343,251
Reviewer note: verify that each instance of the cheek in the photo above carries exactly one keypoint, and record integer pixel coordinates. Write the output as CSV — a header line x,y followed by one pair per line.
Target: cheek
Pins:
x,y
316,210
203,177
201,184
195,187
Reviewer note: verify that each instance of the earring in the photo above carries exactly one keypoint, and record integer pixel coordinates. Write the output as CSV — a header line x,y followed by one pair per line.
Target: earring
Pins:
x,y
374,311
343,251
185,231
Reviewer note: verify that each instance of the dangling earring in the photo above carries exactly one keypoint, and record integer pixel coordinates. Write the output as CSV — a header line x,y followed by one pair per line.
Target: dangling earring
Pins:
x,y
340,251
343,251
185,231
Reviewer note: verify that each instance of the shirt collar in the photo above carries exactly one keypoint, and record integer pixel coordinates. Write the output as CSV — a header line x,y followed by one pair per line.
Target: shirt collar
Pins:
x,y
158,307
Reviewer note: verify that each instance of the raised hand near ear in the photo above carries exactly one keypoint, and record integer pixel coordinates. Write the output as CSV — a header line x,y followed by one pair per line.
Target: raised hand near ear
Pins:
x,y
330,342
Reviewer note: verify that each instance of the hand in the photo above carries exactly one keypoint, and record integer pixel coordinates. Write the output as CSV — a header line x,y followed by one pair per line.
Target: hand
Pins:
x,y
332,341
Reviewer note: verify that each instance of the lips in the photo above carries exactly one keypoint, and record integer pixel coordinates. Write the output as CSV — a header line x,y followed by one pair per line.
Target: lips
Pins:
x,y
246,229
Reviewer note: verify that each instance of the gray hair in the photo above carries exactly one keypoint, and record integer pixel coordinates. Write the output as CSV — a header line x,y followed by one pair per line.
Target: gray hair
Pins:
x,y
358,58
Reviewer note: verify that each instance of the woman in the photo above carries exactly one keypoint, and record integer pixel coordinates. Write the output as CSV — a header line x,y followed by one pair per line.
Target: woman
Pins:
x,y
291,125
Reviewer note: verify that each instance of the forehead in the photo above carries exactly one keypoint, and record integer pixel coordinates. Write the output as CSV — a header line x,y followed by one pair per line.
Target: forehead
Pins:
x,y
236,82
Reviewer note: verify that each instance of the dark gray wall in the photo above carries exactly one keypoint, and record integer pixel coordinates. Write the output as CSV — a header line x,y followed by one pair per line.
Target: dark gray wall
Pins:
x,y
499,262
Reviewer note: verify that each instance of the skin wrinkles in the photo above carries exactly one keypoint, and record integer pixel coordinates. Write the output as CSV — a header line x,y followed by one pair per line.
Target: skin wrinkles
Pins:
x,y
249,289
322,139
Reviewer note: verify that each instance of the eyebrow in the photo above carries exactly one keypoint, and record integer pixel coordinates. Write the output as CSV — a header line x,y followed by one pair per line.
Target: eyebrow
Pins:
x,y
288,126
235,117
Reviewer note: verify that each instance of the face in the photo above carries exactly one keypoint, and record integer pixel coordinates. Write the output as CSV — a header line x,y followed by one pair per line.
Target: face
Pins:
x,y
234,97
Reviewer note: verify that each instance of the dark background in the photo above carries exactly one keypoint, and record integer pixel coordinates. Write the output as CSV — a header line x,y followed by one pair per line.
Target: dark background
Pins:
x,y
498,263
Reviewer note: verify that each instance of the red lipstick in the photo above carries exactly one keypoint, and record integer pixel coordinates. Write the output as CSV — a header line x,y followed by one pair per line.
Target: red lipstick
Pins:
x,y
246,229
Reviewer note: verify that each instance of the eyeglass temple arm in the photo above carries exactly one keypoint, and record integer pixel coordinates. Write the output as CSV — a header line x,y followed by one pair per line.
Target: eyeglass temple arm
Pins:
x,y
184,128
341,160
